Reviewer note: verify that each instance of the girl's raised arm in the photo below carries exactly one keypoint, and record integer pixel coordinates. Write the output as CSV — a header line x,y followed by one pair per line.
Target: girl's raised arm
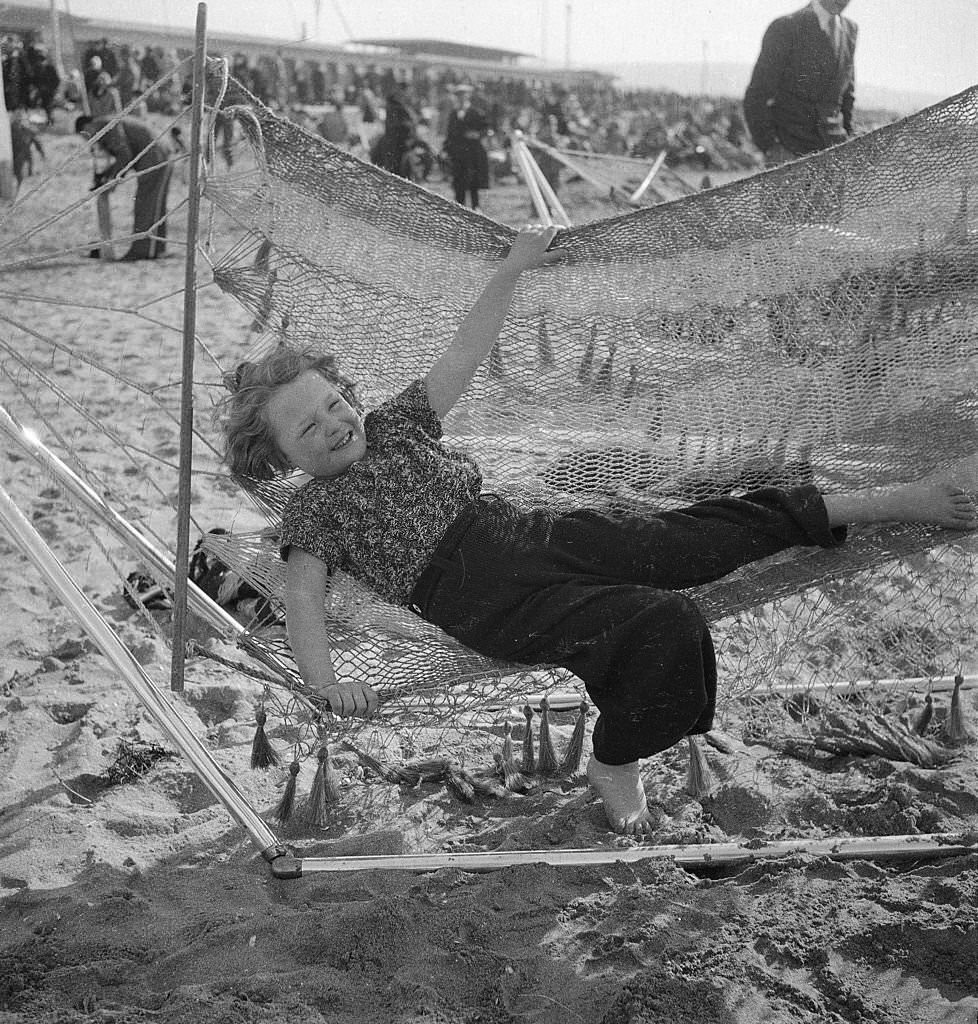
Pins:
x,y
451,373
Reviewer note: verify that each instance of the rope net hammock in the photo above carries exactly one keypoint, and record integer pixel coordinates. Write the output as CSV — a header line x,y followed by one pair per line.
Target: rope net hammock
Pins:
x,y
817,322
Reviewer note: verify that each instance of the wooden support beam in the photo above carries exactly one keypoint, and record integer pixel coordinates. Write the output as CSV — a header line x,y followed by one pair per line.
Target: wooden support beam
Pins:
x,y
693,856
531,168
532,184
178,650
8,187
637,195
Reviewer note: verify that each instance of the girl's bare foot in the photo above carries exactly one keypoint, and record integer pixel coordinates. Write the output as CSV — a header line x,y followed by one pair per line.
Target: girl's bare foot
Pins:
x,y
938,499
621,790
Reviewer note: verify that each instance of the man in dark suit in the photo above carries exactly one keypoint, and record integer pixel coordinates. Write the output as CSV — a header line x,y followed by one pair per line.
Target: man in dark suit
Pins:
x,y
801,94
463,146
134,148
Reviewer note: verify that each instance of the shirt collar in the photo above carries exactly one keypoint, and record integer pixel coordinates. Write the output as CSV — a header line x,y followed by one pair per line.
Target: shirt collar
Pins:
x,y
824,18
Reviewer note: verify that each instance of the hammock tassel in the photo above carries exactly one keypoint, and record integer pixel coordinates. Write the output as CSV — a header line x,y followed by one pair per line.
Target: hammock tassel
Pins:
x,y
545,349
459,782
488,786
529,759
923,719
604,378
431,770
507,768
547,763
572,755
632,387
381,770
508,742
513,779
285,806
586,366
325,792
699,778
957,730
262,754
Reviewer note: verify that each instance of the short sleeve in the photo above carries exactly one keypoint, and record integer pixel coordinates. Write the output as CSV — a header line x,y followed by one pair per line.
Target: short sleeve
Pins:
x,y
411,404
305,525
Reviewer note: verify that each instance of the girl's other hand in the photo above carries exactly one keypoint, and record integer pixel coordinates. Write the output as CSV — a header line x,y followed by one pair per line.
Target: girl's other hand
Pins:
x,y
346,699
531,248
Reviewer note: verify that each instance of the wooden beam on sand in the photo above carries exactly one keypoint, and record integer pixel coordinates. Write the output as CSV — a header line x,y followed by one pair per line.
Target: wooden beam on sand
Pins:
x,y
570,699
702,856
932,684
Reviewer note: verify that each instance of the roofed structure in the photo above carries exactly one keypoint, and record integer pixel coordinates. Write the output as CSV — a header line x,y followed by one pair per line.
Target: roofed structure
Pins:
x,y
444,48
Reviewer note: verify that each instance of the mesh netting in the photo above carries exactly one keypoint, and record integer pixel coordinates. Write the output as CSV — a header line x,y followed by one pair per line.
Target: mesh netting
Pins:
x,y
811,323
816,322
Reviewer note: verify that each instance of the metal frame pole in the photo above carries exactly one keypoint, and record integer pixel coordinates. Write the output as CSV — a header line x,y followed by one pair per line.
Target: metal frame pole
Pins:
x,y
155,701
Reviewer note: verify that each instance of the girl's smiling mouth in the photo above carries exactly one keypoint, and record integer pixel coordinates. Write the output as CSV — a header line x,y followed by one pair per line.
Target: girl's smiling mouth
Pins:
x,y
348,437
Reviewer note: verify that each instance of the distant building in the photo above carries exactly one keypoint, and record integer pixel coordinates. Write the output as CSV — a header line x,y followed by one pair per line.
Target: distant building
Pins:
x,y
339,62
442,50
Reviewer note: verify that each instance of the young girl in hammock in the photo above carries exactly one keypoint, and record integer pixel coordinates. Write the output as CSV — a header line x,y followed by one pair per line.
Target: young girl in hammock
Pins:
x,y
596,593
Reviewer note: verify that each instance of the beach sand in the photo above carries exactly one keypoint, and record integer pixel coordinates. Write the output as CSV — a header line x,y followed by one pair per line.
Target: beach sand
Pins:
x,y
132,895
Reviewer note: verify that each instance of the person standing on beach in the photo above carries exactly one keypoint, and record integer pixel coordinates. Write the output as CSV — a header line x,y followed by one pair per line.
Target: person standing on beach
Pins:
x,y
133,147
463,146
400,123
802,92
103,98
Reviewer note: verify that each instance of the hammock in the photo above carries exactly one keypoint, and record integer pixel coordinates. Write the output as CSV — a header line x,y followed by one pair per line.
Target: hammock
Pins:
x,y
628,181
813,322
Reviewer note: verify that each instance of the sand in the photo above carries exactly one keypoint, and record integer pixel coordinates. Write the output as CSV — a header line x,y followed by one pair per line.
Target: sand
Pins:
x,y
136,897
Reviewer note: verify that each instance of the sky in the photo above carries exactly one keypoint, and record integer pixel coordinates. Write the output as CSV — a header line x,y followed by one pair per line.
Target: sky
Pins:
x,y
926,46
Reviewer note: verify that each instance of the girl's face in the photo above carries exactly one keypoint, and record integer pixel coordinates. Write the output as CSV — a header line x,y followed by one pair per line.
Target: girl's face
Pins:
x,y
315,427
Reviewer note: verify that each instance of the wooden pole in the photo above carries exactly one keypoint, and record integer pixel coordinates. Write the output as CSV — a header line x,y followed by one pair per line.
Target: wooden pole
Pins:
x,y
7,187
567,36
643,188
560,214
544,197
179,652
57,44
602,186
539,203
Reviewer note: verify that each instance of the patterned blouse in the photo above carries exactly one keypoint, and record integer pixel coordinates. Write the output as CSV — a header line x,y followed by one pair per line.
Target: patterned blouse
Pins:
x,y
382,519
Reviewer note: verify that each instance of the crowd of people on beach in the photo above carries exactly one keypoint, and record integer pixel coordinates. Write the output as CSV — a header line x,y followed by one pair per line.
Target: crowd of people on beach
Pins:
x,y
369,108
591,116
400,120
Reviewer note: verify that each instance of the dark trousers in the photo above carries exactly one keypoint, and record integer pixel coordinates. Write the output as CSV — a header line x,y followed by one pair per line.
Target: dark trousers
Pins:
x,y
598,595
150,210
462,189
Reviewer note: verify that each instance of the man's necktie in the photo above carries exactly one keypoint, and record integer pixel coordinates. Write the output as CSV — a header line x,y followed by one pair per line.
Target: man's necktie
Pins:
x,y
835,32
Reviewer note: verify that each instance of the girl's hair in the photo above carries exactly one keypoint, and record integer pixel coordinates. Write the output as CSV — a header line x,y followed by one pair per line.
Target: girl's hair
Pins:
x,y
250,450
